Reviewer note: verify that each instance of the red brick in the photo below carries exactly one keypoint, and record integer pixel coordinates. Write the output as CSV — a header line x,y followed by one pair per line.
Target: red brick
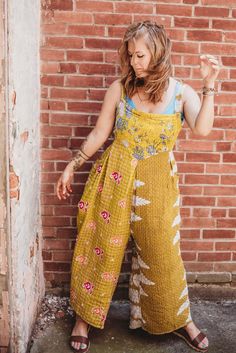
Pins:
x,y
52,80
179,47
49,68
201,212
223,146
100,69
212,36
62,256
84,55
112,19
230,3
83,81
218,212
87,107
55,154
226,246
86,30
63,42
188,256
50,244
72,17
67,68
65,119
226,223
131,7
218,233
94,6
211,12
188,22
217,256
62,143
198,201
190,234
197,245
57,266
51,54
198,267
199,222
56,130
219,190
176,10
102,44
47,255
53,28
203,157
201,179
190,145
225,267
226,25
57,5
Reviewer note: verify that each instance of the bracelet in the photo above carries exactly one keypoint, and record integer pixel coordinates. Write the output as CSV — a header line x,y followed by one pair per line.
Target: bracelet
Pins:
x,y
84,153
208,94
206,89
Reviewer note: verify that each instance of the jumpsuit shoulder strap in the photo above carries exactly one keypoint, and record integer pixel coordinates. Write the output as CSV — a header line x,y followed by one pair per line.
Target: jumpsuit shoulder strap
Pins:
x,y
122,91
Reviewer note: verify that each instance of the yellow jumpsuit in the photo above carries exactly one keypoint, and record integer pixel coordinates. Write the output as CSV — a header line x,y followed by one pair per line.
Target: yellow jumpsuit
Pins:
x,y
132,189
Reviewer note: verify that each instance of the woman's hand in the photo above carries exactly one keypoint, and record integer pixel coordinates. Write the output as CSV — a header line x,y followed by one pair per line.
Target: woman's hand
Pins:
x,y
63,185
209,68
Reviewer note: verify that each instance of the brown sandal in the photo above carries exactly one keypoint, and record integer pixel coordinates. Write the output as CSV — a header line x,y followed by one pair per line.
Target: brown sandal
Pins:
x,y
80,339
181,332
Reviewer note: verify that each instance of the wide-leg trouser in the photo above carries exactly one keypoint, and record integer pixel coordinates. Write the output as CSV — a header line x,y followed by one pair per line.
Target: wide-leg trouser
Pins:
x,y
149,210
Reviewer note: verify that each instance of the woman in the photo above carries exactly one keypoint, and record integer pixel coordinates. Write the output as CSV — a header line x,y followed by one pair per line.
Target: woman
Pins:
x,y
133,189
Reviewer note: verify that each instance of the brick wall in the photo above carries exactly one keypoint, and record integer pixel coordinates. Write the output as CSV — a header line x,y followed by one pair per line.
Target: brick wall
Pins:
x,y
79,41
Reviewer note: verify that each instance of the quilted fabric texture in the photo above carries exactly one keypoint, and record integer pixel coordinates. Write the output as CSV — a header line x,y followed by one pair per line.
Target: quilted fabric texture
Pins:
x,y
132,190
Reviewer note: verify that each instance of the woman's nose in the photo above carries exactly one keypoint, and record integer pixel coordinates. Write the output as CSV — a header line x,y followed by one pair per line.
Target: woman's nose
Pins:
x,y
133,60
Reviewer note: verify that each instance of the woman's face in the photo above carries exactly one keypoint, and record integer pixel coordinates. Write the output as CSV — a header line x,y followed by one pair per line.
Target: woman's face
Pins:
x,y
140,56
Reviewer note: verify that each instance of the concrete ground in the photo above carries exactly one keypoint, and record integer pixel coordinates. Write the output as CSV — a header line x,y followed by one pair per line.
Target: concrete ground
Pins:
x,y
213,310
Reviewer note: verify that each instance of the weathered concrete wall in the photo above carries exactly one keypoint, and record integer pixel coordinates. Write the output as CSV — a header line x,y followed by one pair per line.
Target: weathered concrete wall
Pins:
x,y
4,302
27,282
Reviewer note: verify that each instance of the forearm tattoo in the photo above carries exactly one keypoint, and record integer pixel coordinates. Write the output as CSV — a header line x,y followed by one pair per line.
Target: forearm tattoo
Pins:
x,y
79,157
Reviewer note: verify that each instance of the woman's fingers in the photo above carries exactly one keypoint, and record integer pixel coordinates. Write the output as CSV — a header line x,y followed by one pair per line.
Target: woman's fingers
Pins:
x,y
58,189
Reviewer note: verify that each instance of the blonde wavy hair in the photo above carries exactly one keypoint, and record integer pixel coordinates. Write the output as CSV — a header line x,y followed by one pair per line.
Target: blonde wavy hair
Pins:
x,y
159,69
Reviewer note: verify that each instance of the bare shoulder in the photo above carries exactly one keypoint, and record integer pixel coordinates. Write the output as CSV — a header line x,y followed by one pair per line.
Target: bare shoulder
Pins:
x,y
115,91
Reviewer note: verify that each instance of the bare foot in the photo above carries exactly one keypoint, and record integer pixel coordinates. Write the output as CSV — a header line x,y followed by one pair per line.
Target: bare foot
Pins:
x,y
193,331
80,329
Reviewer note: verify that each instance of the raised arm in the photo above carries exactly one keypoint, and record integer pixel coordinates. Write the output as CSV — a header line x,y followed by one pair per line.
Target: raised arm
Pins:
x,y
200,114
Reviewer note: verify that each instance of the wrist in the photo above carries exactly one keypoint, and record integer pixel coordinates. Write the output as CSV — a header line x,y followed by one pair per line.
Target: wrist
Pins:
x,y
209,84
71,165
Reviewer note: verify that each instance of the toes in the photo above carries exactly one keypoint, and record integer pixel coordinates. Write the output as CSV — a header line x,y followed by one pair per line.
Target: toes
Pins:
x,y
77,345
204,343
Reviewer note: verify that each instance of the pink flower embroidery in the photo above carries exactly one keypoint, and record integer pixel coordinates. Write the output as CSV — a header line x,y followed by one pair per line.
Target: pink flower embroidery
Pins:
x,y
109,276
122,203
116,176
83,260
100,312
98,251
116,240
100,187
99,168
92,225
83,205
106,216
88,286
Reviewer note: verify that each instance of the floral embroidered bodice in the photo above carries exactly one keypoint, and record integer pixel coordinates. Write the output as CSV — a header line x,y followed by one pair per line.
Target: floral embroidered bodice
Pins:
x,y
146,134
